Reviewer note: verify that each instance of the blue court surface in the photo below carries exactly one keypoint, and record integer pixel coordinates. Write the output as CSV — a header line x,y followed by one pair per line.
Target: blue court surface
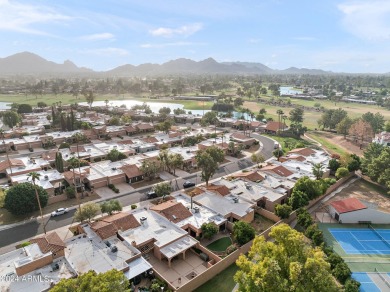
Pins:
x,y
363,241
366,284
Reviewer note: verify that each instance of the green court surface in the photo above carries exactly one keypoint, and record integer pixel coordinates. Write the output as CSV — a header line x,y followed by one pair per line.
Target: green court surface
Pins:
x,y
357,262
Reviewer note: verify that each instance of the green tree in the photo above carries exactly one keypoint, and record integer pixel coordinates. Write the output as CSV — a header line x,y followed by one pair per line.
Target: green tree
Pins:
x,y
162,189
87,212
304,218
59,162
378,169
351,285
309,187
150,168
342,172
278,153
354,163
377,121
21,199
344,125
115,155
208,161
11,119
209,230
165,110
24,108
34,177
110,207
112,280
209,118
317,170
257,158
387,126
286,263
89,97
298,199
243,232
334,164
283,211
165,126
296,115
114,121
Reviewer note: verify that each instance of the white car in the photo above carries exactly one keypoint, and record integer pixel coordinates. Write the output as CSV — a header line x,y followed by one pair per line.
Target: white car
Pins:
x,y
59,211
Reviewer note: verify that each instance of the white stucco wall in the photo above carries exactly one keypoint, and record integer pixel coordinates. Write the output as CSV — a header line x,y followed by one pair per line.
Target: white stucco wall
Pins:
x,y
375,216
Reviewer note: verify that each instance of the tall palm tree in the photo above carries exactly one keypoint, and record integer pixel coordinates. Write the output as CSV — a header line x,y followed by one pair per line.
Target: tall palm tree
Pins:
x,y
280,114
284,118
6,150
73,162
34,176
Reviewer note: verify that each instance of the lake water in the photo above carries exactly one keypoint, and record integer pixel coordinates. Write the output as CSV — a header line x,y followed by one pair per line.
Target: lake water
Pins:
x,y
154,106
289,90
4,105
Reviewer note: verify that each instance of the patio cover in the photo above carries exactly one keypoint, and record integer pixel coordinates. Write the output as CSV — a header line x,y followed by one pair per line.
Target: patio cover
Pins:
x,y
178,246
137,267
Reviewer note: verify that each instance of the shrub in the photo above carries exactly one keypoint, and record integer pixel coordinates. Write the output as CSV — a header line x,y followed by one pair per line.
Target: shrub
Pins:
x,y
304,218
64,145
133,207
342,172
283,211
315,234
70,192
243,232
230,249
341,272
351,285
209,230
116,191
26,243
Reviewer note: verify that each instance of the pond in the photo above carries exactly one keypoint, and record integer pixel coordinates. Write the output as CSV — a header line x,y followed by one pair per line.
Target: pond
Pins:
x,y
4,105
288,90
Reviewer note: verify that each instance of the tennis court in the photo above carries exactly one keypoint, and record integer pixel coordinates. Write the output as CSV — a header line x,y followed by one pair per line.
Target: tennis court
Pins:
x,y
366,283
363,241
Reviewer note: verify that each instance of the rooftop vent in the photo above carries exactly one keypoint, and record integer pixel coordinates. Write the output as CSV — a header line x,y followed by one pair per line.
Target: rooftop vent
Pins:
x,y
298,168
196,209
46,177
114,168
235,200
114,248
143,219
55,266
174,217
248,186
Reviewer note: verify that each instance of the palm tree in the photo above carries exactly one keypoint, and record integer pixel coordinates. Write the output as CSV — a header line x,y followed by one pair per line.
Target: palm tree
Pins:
x,y
73,162
280,114
6,150
317,170
284,118
34,176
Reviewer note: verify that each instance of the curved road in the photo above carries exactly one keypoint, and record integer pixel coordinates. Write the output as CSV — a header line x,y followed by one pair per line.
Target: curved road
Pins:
x,y
22,231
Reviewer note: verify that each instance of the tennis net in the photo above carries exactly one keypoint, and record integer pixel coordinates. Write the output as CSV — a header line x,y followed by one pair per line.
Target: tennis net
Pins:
x,y
378,234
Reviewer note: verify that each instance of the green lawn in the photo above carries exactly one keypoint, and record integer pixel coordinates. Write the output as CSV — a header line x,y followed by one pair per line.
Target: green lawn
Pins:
x,y
223,282
2,197
288,143
328,145
220,244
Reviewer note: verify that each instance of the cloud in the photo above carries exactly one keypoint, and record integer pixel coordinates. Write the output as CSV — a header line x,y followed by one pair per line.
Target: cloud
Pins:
x,y
22,17
254,40
368,20
164,45
108,52
98,37
185,30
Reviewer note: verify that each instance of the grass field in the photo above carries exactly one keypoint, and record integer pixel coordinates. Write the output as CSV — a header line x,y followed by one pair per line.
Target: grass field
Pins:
x,y
327,144
288,143
223,282
220,244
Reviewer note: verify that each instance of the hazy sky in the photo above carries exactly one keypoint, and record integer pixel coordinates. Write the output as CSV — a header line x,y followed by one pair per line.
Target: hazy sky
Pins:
x,y
342,36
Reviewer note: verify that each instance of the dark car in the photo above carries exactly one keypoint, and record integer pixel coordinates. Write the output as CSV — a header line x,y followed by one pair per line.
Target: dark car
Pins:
x,y
151,195
188,184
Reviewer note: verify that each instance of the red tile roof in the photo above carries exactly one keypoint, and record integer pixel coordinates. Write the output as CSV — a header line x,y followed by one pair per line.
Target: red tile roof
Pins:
x,y
303,151
347,205
50,242
109,226
278,169
275,126
10,162
220,189
252,176
150,139
296,157
144,126
172,210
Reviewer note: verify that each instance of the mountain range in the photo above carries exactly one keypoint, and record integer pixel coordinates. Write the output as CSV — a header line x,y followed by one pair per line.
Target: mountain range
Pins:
x,y
27,63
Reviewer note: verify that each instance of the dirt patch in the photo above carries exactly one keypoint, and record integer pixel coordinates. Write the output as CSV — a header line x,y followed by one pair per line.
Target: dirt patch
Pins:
x,y
260,224
339,140
367,192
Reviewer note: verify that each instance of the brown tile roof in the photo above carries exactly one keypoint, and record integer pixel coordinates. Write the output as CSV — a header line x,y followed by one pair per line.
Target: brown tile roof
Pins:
x,y
150,139
275,126
196,191
297,157
132,171
128,141
256,124
109,226
130,129
68,175
220,189
49,155
74,149
10,162
49,242
252,176
302,151
144,126
278,169
241,136
172,210
347,205
174,134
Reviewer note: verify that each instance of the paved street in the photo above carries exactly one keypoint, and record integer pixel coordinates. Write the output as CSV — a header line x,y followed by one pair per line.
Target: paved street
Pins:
x,y
19,232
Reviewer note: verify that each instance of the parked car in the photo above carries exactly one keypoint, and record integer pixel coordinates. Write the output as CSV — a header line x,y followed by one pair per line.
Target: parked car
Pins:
x,y
59,211
188,184
151,195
